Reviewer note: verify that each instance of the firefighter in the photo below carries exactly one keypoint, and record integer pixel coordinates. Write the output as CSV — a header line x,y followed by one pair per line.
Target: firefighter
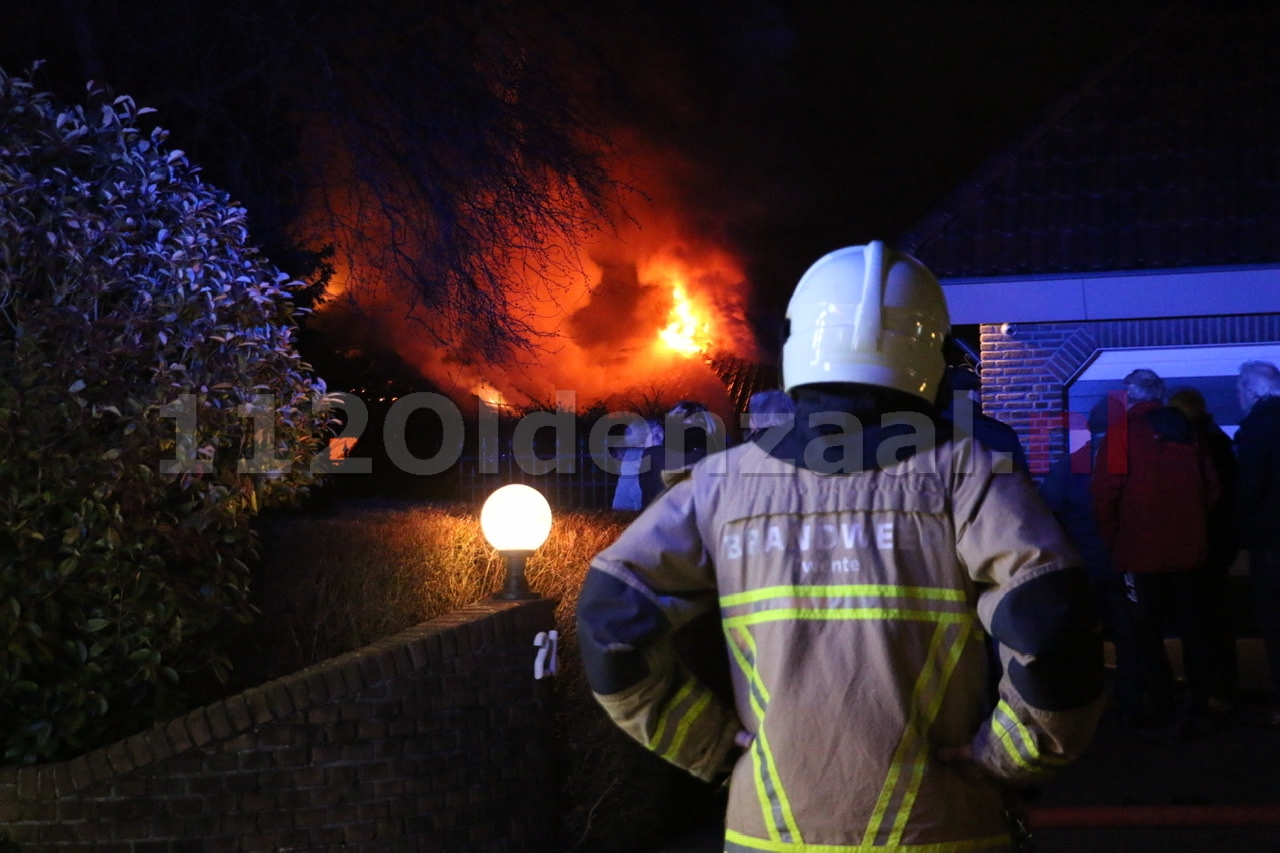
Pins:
x,y
857,565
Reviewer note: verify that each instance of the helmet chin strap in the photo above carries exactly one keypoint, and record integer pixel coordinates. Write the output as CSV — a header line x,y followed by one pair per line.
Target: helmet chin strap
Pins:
x,y
867,326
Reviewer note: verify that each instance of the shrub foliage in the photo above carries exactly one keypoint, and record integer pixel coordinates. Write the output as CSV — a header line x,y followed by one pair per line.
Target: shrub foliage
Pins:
x,y
139,335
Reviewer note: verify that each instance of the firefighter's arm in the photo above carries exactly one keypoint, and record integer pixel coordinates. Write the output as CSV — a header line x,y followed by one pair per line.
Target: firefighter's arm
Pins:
x,y
1034,600
1050,693
654,579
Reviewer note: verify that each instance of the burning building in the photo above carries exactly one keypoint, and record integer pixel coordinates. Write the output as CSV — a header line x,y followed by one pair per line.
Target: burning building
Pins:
x,y
633,316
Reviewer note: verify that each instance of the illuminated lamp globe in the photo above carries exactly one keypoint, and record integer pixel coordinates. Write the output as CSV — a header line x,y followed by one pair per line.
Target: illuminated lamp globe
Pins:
x,y
516,520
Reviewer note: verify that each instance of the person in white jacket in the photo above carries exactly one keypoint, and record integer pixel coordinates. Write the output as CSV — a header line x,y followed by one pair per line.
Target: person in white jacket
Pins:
x,y
858,559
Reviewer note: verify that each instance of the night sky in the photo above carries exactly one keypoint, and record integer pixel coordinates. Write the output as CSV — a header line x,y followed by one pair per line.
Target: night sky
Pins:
x,y
819,125
804,125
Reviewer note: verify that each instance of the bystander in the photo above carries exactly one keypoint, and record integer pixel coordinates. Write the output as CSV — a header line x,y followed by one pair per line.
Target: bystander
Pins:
x,y
1257,504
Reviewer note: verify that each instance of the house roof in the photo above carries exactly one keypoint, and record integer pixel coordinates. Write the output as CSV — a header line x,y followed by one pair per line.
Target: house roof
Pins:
x,y
1167,157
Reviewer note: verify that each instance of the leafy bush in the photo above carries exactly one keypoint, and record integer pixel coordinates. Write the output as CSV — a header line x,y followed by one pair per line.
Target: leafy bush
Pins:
x,y
136,326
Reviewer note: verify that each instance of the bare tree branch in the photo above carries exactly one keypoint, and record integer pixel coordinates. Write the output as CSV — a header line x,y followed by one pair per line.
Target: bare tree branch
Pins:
x,y
443,150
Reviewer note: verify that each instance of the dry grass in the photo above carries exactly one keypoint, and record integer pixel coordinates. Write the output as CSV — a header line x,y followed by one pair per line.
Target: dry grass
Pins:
x,y
329,584
340,581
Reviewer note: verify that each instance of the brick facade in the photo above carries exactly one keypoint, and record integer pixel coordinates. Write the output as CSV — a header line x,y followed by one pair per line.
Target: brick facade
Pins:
x,y
1026,369
437,738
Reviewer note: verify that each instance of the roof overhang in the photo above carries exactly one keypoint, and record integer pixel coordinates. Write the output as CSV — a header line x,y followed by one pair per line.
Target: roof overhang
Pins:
x,y
1214,291
1112,365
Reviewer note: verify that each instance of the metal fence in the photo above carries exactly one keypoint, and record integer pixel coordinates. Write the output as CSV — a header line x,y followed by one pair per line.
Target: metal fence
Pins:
x,y
576,482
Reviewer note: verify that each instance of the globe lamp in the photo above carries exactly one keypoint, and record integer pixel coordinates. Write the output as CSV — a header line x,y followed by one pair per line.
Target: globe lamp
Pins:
x,y
516,520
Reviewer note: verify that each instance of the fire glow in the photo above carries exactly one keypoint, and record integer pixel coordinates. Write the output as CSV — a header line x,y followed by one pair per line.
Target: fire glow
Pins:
x,y
634,315
687,333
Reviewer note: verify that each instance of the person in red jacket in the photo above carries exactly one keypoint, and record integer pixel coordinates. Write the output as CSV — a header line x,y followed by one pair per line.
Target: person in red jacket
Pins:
x,y
1153,487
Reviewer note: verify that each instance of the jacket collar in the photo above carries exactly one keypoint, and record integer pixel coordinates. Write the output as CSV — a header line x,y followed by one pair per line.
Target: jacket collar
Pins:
x,y
829,432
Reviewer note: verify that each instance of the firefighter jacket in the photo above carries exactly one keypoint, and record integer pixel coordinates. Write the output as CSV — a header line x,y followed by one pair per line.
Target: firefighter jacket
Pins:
x,y
855,607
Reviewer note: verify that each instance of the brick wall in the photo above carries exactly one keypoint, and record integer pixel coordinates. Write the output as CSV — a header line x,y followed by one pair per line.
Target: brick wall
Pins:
x,y
1026,370
434,739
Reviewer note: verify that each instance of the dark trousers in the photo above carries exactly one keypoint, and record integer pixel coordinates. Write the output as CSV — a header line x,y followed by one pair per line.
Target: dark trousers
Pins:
x,y
1214,589
1264,579
1154,603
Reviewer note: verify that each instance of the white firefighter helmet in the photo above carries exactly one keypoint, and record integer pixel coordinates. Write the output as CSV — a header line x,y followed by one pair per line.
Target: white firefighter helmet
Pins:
x,y
867,314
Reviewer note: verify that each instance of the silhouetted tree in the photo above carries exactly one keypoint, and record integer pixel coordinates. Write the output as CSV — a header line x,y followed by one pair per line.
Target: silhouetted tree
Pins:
x,y
442,150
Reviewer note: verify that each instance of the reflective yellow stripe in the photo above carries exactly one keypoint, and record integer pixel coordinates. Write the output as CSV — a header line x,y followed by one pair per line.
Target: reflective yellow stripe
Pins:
x,y
907,743
1007,729
847,613
664,719
769,789
749,645
1019,742
869,590
954,649
848,601
912,755
761,754
686,720
779,790
947,608
758,758
736,842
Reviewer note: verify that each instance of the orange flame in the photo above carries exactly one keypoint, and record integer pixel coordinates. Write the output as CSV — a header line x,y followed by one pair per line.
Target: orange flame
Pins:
x,y
686,332
622,320
489,395
340,447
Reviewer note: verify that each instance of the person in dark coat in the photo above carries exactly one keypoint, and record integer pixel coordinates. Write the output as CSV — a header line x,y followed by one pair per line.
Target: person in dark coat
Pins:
x,y
767,410
1066,491
958,405
1257,501
691,432
1224,547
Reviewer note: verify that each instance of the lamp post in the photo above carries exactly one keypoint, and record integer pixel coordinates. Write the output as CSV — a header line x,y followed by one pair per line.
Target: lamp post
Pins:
x,y
516,520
